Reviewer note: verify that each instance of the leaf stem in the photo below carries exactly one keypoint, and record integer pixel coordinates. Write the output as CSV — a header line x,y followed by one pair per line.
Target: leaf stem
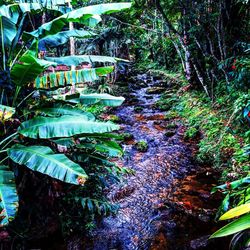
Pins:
x,y
2,41
18,88
2,96
9,142
4,159
7,138
30,94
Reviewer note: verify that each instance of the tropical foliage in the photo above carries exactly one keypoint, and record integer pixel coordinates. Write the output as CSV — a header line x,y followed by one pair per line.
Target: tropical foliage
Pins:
x,y
49,132
56,69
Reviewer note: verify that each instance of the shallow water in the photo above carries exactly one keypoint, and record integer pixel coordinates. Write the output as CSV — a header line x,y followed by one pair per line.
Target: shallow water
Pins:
x,y
166,203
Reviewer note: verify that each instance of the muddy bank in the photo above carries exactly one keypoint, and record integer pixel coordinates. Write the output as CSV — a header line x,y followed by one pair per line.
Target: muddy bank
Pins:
x,y
166,204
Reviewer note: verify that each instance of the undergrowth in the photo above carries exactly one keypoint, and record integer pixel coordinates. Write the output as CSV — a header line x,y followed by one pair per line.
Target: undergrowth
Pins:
x,y
225,133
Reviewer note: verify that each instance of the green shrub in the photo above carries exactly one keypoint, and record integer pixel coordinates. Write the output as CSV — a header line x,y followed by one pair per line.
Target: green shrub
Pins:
x,y
141,146
191,133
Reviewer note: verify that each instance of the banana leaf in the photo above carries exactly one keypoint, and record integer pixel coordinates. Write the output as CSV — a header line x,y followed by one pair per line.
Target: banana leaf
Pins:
x,y
64,78
62,38
42,159
9,30
8,196
235,212
233,185
102,99
89,15
76,60
234,227
64,126
110,148
28,68
65,110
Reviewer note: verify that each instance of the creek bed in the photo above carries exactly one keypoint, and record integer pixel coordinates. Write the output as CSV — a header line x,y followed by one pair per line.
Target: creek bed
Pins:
x,y
166,204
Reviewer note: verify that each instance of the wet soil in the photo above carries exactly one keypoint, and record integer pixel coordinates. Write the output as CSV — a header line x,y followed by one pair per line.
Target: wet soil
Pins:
x,y
166,204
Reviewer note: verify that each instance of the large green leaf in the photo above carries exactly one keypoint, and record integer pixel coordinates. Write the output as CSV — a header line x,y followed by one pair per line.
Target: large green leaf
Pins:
x,y
8,196
103,99
76,60
9,30
64,126
44,160
59,5
64,78
9,16
234,227
65,110
28,68
82,15
235,212
233,185
110,148
62,38
12,11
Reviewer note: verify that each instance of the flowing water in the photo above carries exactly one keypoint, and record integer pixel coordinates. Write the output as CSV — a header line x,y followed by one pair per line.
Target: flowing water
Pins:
x,y
166,204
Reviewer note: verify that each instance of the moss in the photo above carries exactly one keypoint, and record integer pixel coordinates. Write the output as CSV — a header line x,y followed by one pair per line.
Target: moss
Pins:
x,y
114,118
191,133
141,146
138,109
127,136
171,115
171,126
166,102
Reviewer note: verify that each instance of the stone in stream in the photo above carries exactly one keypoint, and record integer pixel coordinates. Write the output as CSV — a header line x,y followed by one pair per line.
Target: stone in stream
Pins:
x,y
199,243
155,90
143,84
170,132
138,109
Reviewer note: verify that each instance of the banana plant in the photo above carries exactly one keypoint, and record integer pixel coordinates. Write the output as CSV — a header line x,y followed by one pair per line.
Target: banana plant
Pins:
x,y
55,136
238,197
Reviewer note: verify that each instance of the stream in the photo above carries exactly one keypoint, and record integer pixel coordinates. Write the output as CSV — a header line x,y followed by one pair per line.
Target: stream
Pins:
x,y
166,203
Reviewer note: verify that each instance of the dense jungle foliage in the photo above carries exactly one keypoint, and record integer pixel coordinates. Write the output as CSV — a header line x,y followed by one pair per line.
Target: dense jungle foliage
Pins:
x,y
60,61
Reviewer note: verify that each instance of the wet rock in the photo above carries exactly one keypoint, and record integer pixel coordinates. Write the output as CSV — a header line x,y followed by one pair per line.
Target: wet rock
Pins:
x,y
122,84
132,79
200,243
157,78
136,86
127,136
158,122
133,101
204,217
138,109
171,126
155,90
161,83
170,133
143,84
